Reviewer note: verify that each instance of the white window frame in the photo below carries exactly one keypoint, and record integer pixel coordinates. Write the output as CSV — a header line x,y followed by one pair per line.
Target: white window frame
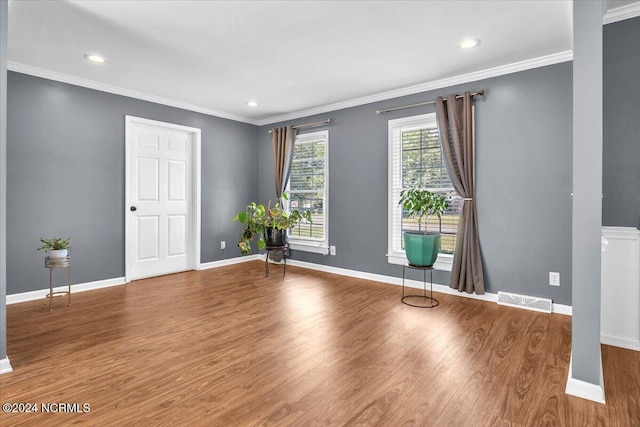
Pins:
x,y
395,253
318,246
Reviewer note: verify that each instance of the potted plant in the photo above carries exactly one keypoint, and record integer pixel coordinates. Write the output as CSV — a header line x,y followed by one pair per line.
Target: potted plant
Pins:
x,y
56,247
422,246
270,224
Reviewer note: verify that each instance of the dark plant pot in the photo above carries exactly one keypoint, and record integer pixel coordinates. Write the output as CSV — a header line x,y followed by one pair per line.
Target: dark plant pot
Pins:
x,y
421,249
275,237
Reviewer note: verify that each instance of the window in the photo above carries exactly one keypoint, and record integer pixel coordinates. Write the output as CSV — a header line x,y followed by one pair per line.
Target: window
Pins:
x,y
308,191
416,161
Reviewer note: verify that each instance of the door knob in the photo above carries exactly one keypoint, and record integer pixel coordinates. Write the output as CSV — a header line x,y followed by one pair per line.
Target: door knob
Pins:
x,y
133,208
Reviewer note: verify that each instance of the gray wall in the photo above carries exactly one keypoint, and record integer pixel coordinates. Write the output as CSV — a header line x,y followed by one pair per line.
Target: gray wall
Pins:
x,y
523,158
587,190
621,147
66,177
66,172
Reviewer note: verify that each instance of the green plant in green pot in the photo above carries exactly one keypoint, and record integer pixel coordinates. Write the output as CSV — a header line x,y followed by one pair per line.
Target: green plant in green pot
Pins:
x,y
269,223
421,246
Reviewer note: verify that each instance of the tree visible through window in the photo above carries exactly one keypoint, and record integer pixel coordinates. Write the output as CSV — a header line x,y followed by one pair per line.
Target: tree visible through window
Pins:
x,y
307,189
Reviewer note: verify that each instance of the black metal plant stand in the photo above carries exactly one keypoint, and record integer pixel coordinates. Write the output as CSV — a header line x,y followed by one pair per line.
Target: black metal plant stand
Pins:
x,y
422,301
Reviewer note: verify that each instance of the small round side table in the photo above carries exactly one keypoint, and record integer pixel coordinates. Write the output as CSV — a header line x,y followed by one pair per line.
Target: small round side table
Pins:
x,y
52,263
423,301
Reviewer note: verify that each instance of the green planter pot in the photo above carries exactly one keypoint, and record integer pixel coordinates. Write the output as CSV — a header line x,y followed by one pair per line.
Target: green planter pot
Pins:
x,y
421,249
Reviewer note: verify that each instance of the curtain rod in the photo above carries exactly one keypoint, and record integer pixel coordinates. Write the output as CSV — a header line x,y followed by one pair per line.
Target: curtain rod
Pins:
x,y
386,110
308,125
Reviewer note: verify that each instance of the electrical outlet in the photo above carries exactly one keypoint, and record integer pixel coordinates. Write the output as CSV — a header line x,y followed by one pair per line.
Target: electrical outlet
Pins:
x,y
223,244
554,278
332,250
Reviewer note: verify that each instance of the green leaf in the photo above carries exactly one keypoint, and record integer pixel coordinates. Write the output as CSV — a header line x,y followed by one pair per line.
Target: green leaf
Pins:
x,y
242,217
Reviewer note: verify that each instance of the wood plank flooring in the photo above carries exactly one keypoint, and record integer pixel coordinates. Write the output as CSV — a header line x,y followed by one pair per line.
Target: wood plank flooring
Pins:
x,y
229,347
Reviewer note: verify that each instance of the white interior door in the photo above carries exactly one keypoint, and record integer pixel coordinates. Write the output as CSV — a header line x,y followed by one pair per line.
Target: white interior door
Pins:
x,y
160,192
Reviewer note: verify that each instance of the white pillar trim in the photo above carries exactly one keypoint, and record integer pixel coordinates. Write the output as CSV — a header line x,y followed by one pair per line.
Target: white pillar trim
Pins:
x,y
583,389
5,366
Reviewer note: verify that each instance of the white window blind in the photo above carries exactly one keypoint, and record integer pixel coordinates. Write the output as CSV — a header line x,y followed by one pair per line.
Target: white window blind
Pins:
x,y
416,161
308,191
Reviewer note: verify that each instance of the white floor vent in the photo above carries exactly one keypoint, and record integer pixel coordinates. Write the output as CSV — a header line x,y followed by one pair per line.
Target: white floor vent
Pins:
x,y
524,301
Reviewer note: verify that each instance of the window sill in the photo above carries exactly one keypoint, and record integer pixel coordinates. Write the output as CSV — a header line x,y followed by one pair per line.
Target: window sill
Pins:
x,y
309,247
443,263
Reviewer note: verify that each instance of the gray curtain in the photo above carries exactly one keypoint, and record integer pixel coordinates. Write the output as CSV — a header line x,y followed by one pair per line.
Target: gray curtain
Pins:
x,y
455,121
283,140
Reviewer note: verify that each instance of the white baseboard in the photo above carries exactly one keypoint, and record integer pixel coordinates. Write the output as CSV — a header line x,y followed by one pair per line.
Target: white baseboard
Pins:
x,y
443,289
583,389
229,261
80,287
5,366
567,310
627,343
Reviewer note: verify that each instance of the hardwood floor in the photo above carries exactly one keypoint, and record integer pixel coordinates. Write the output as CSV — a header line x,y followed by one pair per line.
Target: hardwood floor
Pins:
x,y
229,347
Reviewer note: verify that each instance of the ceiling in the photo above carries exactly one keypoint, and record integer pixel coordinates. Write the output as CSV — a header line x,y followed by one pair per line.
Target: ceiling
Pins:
x,y
289,56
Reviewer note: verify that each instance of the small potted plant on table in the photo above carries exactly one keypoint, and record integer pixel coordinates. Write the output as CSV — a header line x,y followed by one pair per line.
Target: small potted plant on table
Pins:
x,y
421,246
56,247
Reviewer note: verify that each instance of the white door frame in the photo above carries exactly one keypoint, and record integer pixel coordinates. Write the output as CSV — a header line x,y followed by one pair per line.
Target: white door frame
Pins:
x,y
195,190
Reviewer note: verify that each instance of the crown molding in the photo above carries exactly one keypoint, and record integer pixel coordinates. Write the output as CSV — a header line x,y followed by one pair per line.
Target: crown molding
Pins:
x,y
621,13
90,84
396,93
424,87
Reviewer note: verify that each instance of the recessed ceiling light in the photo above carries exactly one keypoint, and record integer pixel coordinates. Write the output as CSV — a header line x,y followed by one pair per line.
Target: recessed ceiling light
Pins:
x,y
95,58
252,103
469,43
